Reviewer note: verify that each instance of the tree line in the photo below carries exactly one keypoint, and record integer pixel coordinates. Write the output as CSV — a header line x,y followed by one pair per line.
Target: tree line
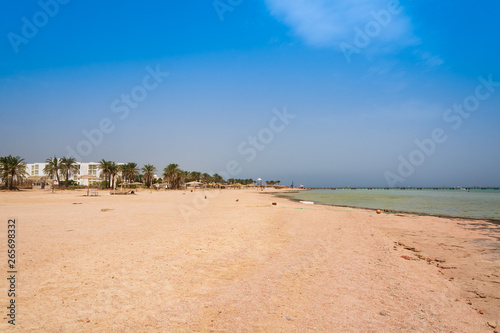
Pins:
x,y
13,171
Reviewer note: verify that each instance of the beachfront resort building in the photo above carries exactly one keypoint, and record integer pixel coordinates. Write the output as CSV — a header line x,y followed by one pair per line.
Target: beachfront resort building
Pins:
x,y
35,172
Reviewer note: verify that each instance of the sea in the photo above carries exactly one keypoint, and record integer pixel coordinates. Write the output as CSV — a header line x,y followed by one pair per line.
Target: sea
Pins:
x,y
471,203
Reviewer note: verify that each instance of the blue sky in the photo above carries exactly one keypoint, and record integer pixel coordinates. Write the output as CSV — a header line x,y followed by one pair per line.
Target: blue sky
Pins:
x,y
363,85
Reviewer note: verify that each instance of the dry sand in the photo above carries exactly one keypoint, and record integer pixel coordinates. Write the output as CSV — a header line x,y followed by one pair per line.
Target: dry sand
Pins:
x,y
177,262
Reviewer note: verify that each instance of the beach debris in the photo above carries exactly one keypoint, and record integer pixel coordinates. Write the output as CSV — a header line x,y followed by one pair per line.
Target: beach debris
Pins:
x,y
452,278
274,203
288,318
379,211
409,248
237,200
406,257
479,294
307,202
492,324
106,209
383,313
77,203
481,312
205,196
416,252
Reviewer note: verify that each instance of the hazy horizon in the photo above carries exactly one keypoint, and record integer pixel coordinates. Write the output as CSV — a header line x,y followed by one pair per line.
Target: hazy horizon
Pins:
x,y
321,93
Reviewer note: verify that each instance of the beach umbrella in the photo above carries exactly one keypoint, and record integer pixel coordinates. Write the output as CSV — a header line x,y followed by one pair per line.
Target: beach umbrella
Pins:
x,y
89,177
123,183
136,183
194,183
35,179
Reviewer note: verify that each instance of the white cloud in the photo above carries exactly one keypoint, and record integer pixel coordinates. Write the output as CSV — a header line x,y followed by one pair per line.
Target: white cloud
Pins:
x,y
327,23
430,60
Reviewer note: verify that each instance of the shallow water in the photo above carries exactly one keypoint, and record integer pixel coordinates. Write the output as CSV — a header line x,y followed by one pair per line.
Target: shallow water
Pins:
x,y
459,203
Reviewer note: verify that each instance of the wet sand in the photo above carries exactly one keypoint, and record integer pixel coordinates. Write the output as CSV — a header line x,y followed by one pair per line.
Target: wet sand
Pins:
x,y
233,262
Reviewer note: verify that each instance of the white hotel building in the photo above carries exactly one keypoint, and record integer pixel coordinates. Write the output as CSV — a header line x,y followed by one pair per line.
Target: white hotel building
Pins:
x,y
36,170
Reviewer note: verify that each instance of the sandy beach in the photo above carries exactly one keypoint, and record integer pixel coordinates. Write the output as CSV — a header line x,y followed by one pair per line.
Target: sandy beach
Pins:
x,y
230,261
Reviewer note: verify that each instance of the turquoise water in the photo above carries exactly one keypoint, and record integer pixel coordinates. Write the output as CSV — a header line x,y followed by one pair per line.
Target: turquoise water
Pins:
x,y
459,203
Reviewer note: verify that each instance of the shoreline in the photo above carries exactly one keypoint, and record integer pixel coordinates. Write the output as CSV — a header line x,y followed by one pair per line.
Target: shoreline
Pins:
x,y
384,211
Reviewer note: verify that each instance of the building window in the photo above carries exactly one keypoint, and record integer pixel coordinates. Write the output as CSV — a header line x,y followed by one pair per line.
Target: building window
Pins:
x,y
35,170
93,169
76,170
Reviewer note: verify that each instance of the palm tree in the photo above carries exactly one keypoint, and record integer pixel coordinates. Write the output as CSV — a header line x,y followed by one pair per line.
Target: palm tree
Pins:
x,y
195,176
138,178
67,165
113,171
52,168
174,175
105,166
13,168
206,178
4,174
149,171
181,178
217,178
131,171
122,168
